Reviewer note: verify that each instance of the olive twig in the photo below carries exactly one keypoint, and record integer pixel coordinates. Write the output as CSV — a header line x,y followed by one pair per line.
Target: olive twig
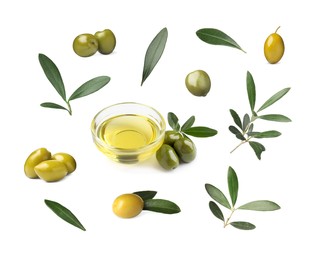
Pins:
x,y
244,129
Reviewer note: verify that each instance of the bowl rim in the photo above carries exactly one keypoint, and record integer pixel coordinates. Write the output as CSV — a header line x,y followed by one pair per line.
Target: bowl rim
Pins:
x,y
139,150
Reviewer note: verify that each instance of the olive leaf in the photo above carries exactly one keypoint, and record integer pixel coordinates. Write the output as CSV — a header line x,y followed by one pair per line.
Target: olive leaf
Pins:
x,y
216,210
173,121
260,205
154,53
258,148
53,75
200,131
64,213
247,125
161,206
188,129
145,195
90,87
233,186
236,132
251,90
275,117
274,98
217,195
217,37
266,134
236,118
243,225
188,124
52,105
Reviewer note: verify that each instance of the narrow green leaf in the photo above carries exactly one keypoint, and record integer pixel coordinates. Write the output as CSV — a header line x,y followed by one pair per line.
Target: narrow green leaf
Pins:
x,y
250,128
232,181
217,195
216,210
173,121
236,118
258,148
243,225
267,134
253,133
188,123
245,123
154,52
200,131
260,205
146,194
236,132
53,105
251,90
274,98
217,37
53,75
161,206
275,117
64,213
90,87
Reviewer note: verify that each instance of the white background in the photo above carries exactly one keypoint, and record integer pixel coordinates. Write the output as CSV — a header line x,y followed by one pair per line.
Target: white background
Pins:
x,y
29,230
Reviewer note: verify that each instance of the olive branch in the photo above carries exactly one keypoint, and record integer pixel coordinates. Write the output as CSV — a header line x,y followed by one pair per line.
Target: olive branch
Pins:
x,y
245,129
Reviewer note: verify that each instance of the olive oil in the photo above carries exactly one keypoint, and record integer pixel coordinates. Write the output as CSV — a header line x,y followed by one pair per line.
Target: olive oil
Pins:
x,y
129,132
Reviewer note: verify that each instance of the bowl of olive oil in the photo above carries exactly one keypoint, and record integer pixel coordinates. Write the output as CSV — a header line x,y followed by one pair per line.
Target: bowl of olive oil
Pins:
x,y
128,132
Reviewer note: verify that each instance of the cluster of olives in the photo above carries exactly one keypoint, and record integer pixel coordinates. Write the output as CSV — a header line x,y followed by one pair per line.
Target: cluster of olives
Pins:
x,y
175,149
41,164
86,45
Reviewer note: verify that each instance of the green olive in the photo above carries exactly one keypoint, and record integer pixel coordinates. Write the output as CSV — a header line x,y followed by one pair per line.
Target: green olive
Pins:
x,y
167,157
198,83
171,136
67,159
128,205
36,157
85,45
186,150
274,47
106,41
51,170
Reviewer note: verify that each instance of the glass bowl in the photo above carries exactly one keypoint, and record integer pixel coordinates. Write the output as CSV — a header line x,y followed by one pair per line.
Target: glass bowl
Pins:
x,y
128,132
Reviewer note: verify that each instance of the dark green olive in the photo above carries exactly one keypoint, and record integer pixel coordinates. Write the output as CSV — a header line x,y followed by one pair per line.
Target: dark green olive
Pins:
x,y
198,83
185,149
85,45
171,136
106,41
167,157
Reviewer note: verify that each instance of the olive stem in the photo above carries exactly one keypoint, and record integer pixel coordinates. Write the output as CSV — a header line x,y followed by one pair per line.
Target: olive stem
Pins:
x,y
277,29
226,223
69,108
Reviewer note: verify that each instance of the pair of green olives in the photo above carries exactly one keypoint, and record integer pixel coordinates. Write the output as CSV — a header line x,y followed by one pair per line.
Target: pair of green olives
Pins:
x,y
41,164
175,149
86,45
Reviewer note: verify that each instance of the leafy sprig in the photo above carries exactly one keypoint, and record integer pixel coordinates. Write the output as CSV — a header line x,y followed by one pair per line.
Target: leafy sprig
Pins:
x,y
218,196
157,205
244,129
188,129
53,75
